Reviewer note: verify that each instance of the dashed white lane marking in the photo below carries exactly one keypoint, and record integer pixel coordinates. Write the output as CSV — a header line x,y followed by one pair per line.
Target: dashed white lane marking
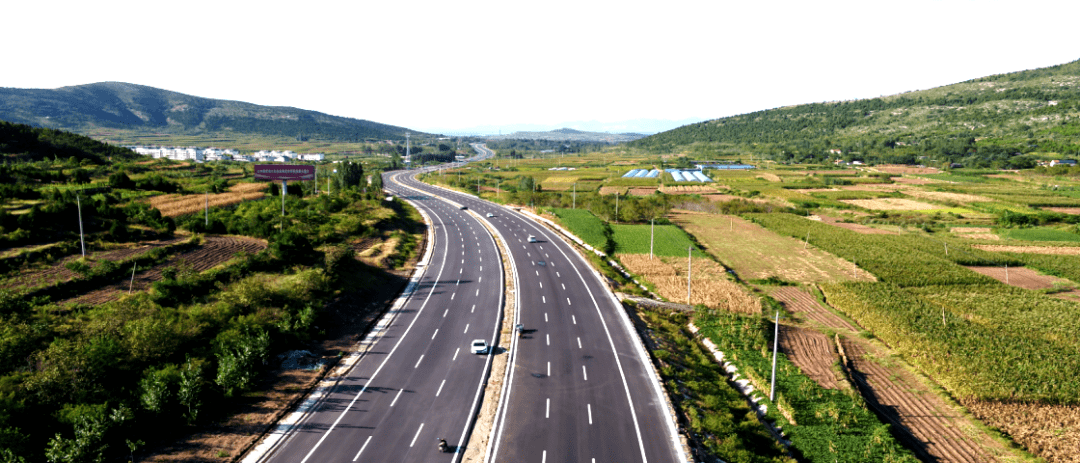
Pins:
x,y
557,275
452,296
478,291
568,301
396,397
549,369
479,279
547,337
544,458
459,350
547,411
466,328
417,435
463,260
445,312
587,405
578,343
473,308
444,383
541,285
362,447
545,317
529,254
584,373
544,298
434,334
537,273
574,319
563,286
418,361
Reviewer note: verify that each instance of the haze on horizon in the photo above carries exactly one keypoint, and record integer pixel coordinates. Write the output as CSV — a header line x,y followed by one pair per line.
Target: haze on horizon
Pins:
x,y
441,67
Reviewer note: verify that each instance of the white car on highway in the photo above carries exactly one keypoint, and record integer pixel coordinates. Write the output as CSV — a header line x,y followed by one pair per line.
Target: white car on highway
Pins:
x,y
479,346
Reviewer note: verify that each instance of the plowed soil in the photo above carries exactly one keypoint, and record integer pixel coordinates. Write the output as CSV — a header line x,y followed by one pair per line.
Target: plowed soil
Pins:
x,y
1056,250
927,425
855,227
811,351
797,300
932,429
216,250
1021,277
1049,431
58,273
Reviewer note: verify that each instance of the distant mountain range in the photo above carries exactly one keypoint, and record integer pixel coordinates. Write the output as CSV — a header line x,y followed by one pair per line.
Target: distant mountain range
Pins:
x,y
633,126
123,106
566,134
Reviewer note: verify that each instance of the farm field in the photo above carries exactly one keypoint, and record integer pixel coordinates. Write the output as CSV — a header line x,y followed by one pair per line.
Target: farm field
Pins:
x,y
756,253
709,284
177,205
666,240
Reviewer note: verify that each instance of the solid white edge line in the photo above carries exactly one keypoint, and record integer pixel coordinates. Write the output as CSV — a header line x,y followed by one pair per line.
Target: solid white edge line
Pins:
x,y
284,431
388,356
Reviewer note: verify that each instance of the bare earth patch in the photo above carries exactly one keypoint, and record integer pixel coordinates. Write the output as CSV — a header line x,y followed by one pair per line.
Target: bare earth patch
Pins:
x,y
769,177
900,169
1049,431
610,190
797,300
945,196
642,191
1064,210
1021,277
968,230
855,227
812,352
1053,250
890,204
913,180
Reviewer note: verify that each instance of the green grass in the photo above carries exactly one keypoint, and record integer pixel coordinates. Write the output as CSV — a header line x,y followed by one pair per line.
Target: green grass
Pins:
x,y
584,224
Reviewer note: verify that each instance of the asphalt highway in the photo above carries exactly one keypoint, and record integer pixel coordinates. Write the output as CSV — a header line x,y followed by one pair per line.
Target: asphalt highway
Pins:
x,y
418,381
580,388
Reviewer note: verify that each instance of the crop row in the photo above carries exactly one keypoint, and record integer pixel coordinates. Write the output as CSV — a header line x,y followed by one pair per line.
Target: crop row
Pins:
x,y
989,342
829,425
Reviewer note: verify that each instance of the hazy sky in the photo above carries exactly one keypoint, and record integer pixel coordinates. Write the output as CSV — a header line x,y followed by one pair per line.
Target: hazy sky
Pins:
x,y
439,65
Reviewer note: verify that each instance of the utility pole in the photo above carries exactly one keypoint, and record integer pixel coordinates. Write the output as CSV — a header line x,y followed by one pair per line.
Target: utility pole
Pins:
x,y
82,239
206,210
575,196
616,208
652,235
776,338
689,266
284,191
407,152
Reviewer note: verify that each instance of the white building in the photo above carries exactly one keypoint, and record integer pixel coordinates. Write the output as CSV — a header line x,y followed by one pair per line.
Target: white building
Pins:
x,y
313,157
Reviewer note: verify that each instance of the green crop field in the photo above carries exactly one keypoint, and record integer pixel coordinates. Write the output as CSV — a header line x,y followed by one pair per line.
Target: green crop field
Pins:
x,y
669,240
978,341
584,224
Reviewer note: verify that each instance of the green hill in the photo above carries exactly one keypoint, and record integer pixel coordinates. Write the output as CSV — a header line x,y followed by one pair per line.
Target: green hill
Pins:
x,y
117,105
982,122
25,143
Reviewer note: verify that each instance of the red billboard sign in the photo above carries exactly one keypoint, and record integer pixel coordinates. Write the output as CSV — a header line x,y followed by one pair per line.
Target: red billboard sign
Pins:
x,y
284,172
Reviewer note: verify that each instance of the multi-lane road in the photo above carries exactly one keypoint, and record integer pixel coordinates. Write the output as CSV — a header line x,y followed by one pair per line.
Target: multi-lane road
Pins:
x,y
581,388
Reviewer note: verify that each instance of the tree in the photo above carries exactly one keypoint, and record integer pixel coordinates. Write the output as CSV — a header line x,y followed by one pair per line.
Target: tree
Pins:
x,y
191,383
121,180
351,174
80,175
238,359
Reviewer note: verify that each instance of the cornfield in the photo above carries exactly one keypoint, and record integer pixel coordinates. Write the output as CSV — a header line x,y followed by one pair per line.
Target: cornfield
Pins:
x,y
174,205
708,282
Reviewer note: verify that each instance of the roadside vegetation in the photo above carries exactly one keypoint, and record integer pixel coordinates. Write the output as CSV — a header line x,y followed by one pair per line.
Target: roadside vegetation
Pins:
x,y
171,321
